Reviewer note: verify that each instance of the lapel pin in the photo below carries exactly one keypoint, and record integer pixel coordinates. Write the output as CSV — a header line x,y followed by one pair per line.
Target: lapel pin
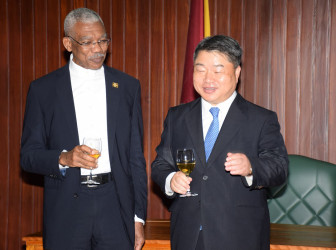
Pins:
x,y
115,85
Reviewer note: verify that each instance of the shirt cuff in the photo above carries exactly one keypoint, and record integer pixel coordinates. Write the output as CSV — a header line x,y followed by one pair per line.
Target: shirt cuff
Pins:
x,y
137,219
168,189
61,167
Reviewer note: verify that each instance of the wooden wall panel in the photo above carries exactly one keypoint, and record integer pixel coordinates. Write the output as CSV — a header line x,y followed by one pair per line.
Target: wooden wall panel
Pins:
x,y
117,35
131,37
40,50
306,80
250,52
220,19
28,190
40,41
278,62
4,125
332,87
182,15
236,20
292,77
156,88
143,64
321,75
288,66
54,35
14,118
263,58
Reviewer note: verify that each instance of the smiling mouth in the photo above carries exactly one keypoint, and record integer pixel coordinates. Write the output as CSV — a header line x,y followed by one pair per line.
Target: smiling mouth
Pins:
x,y
209,90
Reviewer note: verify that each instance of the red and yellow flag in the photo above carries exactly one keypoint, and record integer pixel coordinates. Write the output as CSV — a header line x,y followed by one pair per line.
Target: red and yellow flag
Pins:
x,y
199,27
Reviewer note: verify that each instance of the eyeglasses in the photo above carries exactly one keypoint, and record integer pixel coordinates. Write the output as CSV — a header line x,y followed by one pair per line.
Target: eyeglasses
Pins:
x,y
103,43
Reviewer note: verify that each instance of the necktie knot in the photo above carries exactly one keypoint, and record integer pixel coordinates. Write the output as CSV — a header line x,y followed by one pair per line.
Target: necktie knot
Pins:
x,y
214,111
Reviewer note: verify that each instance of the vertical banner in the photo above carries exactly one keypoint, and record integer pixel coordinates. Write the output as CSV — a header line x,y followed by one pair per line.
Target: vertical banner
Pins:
x,y
199,27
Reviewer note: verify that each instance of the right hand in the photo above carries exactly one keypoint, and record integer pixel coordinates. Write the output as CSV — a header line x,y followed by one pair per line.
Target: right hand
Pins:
x,y
180,183
79,157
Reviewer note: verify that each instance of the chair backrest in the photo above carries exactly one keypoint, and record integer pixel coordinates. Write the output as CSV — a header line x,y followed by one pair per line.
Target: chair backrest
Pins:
x,y
308,197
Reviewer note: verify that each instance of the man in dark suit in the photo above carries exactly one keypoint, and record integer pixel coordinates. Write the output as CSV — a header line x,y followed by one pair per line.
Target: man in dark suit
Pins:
x,y
87,99
238,149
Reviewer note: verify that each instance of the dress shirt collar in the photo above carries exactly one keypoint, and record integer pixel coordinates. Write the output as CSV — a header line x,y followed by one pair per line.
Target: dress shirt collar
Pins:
x,y
81,72
223,110
223,106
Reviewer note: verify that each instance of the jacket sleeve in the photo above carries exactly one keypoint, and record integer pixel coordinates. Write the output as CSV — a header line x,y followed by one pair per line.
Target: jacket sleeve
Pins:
x,y
270,168
163,164
35,156
137,160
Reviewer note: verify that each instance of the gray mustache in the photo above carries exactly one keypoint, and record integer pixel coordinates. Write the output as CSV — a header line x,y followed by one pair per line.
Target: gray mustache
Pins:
x,y
97,55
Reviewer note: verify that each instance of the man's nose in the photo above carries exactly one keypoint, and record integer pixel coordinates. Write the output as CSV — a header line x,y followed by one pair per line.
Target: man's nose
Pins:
x,y
209,76
96,47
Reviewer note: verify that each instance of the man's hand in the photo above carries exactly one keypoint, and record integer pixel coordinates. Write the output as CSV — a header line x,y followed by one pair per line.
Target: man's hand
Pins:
x,y
79,157
139,235
238,164
180,183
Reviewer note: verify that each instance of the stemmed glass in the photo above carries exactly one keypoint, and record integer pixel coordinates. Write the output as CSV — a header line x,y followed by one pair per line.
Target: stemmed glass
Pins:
x,y
185,160
96,144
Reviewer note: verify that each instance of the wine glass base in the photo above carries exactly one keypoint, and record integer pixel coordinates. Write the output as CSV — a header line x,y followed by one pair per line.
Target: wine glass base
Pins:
x,y
90,182
188,195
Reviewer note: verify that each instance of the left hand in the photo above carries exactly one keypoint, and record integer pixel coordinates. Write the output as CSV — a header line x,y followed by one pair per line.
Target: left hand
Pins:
x,y
139,235
238,164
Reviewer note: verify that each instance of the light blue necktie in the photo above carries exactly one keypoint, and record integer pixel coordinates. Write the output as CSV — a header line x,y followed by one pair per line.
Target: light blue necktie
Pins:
x,y
212,134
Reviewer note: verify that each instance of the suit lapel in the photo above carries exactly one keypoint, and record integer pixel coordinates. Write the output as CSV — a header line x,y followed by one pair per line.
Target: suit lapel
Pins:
x,y
194,125
67,104
231,126
113,89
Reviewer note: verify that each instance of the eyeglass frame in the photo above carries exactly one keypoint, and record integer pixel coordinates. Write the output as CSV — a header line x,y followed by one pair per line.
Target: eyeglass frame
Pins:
x,y
90,43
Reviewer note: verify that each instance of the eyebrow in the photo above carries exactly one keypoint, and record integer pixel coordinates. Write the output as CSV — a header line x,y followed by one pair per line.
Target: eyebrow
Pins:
x,y
199,64
216,65
89,37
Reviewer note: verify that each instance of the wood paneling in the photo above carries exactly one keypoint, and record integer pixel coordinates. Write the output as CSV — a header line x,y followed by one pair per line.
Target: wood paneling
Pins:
x,y
306,80
288,66
292,76
321,75
4,126
332,87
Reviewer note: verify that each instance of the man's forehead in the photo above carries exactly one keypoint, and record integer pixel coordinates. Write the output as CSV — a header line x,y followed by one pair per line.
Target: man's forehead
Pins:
x,y
88,27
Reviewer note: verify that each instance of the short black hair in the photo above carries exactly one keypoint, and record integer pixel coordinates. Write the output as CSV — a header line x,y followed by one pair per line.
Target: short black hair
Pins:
x,y
223,44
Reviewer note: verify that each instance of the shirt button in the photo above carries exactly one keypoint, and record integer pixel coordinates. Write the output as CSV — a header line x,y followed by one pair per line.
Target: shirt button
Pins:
x,y
205,177
75,195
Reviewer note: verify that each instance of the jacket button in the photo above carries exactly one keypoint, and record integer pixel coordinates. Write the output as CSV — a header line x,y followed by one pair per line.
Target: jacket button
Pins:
x,y
75,195
205,177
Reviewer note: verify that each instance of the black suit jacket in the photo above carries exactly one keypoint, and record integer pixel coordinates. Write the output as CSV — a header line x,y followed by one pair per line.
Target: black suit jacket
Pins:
x,y
233,215
50,126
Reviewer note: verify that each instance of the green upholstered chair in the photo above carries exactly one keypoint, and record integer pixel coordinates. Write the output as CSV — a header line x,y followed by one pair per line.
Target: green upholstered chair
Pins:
x,y
308,197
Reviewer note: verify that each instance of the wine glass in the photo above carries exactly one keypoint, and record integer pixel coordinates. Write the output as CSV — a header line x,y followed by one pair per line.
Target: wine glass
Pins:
x,y
93,143
185,160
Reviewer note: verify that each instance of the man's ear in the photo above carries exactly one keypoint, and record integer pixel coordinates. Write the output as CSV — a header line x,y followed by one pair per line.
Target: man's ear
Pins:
x,y
67,44
237,72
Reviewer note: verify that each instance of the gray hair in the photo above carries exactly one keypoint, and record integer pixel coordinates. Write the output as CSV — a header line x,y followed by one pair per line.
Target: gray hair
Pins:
x,y
82,15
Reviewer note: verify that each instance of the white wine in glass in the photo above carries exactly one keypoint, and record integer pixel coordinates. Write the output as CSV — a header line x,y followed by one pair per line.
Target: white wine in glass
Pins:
x,y
94,143
185,160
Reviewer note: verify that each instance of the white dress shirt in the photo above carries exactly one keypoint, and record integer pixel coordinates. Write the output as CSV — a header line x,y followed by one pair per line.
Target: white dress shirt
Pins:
x,y
89,93
206,122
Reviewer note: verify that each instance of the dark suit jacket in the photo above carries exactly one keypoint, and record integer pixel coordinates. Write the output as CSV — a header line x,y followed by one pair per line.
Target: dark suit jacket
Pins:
x,y
50,126
233,215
